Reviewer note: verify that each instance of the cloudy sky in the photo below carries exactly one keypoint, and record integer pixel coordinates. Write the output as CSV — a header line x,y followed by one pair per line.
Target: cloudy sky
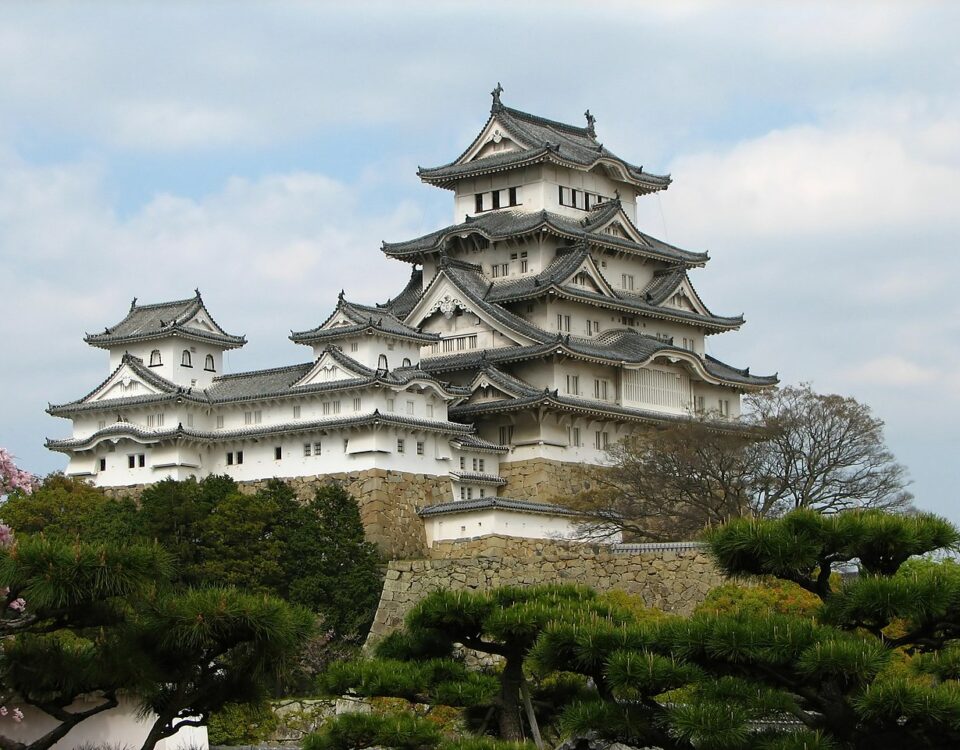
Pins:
x,y
261,152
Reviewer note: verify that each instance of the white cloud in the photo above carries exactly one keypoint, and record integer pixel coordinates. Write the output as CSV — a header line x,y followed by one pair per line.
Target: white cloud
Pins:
x,y
890,372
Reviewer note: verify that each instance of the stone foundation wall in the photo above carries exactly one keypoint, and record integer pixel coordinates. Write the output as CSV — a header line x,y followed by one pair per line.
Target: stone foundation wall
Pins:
x,y
543,480
671,580
388,503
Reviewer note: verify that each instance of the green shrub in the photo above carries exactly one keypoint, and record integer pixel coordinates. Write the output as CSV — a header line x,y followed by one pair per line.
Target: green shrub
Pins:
x,y
356,730
241,724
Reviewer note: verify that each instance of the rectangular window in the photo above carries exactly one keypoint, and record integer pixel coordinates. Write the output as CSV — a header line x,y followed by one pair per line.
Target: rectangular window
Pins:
x,y
562,196
400,445
724,407
698,404
506,434
513,256
563,323
103,464
354,347
573,385
239,457
131,462
480,464
277,453
600,389
513,196
420,447
151,420
474,465
463,496
390,404
248,417
523,266
101,424
496,199
530,308
478,199
410,407
326,408
504,269
482,493
230,458
296,412
430,410
626,281
307,449
316,448
602,441
495,271
219,421
463,463
576,437
141,460
469,493
356,404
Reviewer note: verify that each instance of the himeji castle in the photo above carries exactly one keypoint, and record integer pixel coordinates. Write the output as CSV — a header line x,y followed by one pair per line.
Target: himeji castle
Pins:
x,y
535,331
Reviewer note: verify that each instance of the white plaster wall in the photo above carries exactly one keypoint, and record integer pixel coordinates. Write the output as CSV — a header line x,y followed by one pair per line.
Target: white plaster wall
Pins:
x,y
367,348
526,180
476,523
171,351
119,727
592,182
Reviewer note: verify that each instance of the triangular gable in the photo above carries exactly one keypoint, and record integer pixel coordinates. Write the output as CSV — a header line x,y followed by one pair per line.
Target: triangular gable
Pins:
x,y
330,368
620,227
488,387
684,297
495,138
588,276
202,320
443,298
126,382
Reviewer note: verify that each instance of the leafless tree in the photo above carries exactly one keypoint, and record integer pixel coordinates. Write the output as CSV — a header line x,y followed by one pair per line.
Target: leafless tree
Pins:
x,y
794,448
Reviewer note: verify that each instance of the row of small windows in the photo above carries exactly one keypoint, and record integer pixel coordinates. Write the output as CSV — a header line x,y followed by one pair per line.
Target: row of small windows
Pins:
x,y
466,493
495,199
581,199
601,440
454,344
499,270
186,360
402,446
478,464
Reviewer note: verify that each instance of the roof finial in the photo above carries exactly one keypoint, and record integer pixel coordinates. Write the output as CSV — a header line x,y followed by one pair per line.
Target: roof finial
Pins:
x,y
496,97
590,120
616,193
340,296
197,292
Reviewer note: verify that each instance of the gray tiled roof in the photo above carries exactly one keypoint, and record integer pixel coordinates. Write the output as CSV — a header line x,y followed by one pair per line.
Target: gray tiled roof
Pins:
x,y
475,288
543,139
551,279
617,346
476,443
365,319
502,503
168,391
478,478
126,429
146,322
401,305
504,223
277,382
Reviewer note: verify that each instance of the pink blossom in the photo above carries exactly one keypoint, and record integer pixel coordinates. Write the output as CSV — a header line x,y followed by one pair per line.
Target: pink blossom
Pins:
x,y
3,711
18,604
17,715
6,535
12,477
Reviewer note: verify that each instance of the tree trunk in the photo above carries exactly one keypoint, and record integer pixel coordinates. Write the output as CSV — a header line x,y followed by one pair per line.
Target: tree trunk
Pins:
x,y
157,732
511,728
531,716
67,722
